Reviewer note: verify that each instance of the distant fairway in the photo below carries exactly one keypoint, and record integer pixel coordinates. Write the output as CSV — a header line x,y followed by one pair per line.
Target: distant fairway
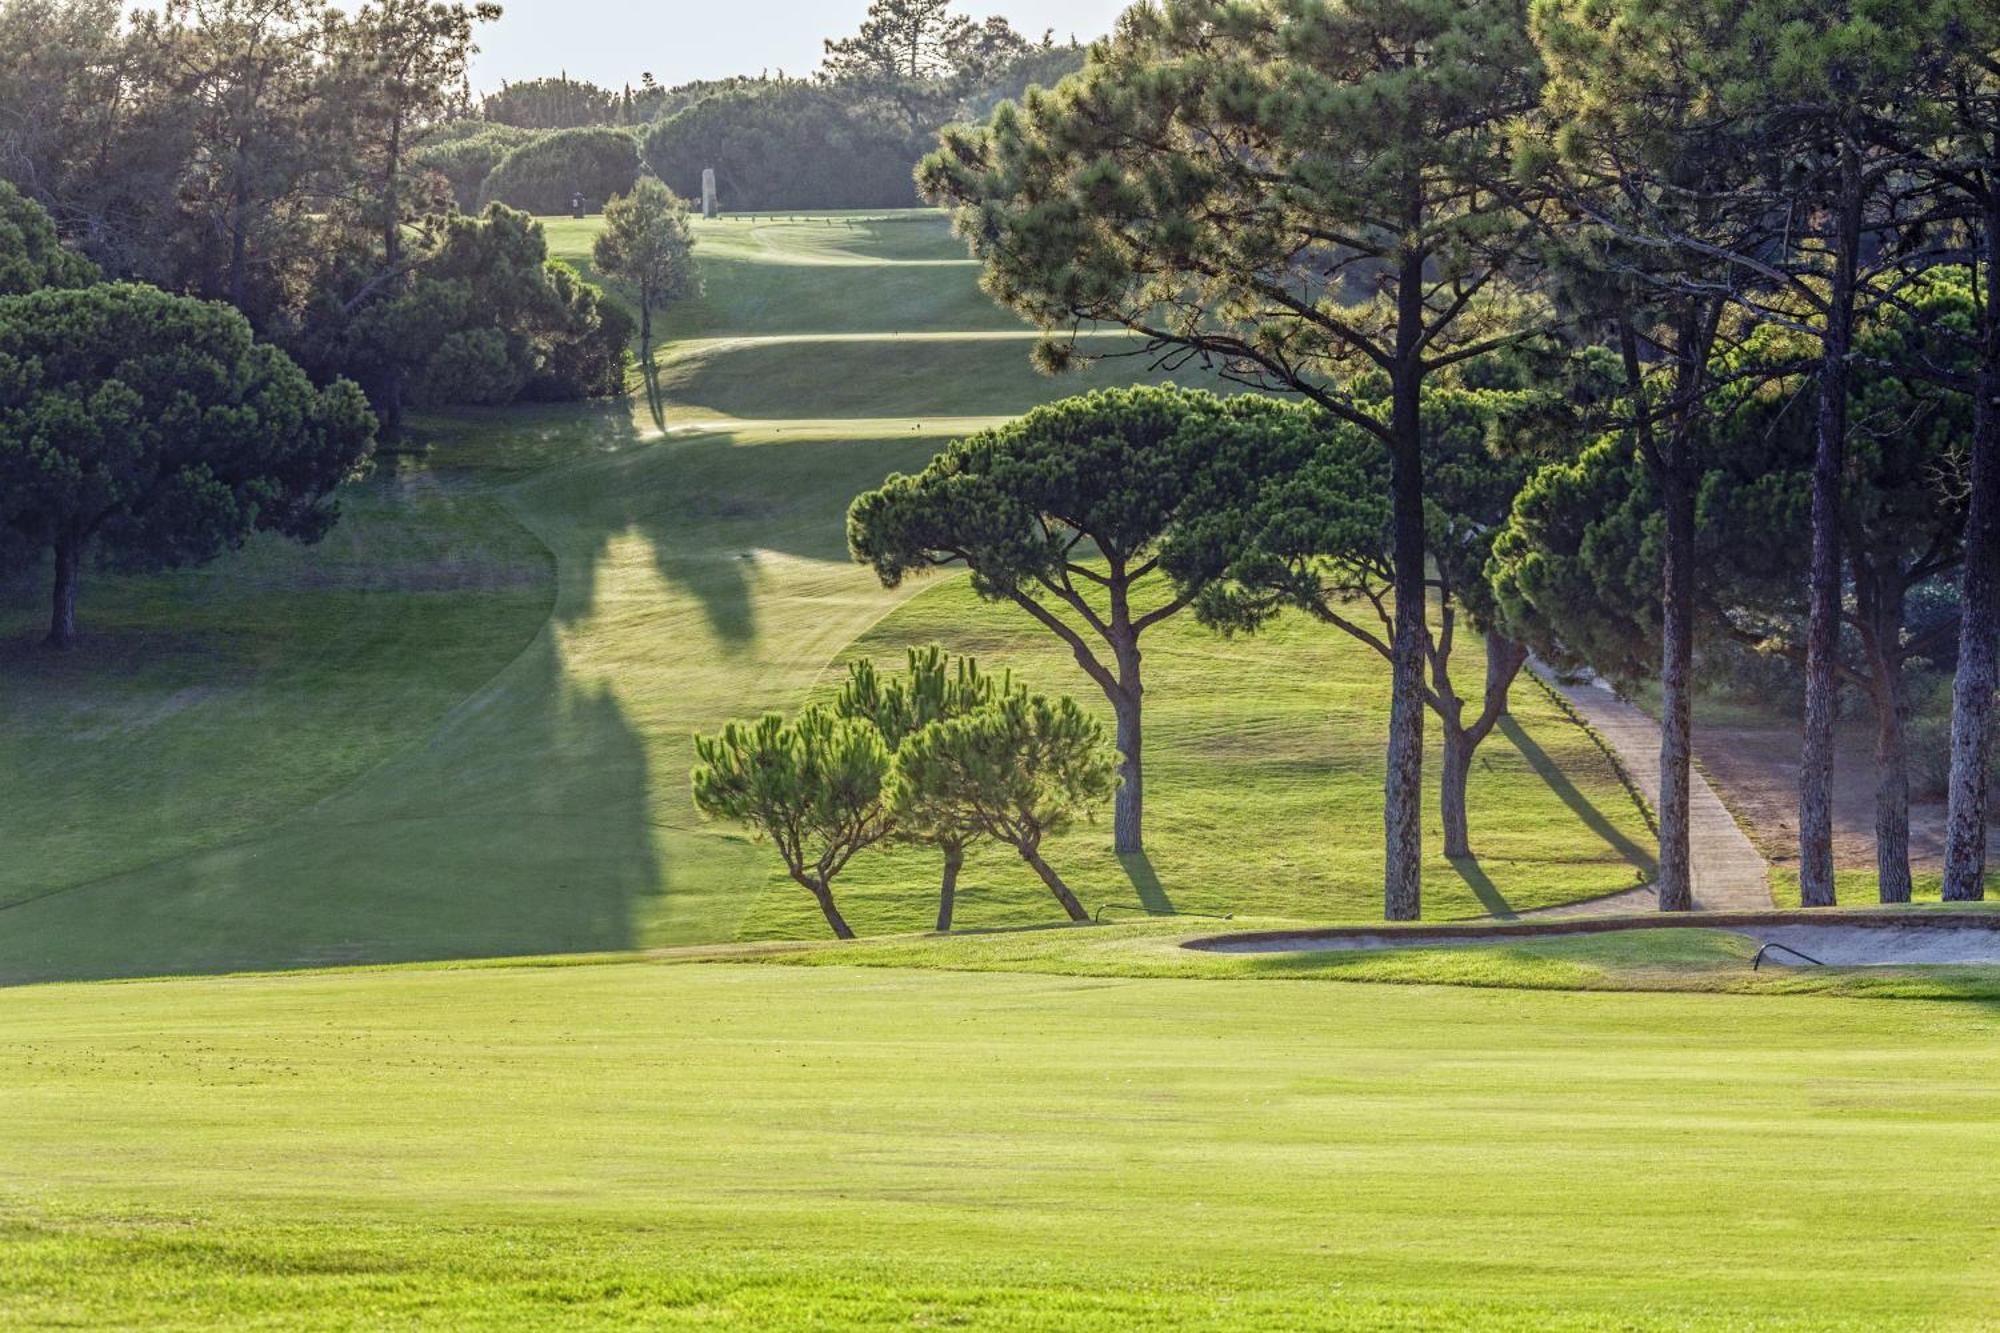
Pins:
x,y
461,728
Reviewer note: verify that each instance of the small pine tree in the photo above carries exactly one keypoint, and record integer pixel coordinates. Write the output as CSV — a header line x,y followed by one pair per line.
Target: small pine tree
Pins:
x,y
899,707
1018,770
646,242
814,787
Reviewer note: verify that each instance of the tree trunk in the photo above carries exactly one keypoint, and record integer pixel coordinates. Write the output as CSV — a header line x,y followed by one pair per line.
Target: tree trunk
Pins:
x,y
646,328
1892,791
1403,800
1129,807
391,405
1033,856
69,573
1452,782
1677,578
823,894
1504,660
1979,624
1816,887
954,861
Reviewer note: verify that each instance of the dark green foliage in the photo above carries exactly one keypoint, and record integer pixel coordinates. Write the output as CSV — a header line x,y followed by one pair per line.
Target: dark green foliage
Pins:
x,y
466,153
788,144
1576,568
544,175
32,256
1317,535
154,429
814,787
490,318
1018,771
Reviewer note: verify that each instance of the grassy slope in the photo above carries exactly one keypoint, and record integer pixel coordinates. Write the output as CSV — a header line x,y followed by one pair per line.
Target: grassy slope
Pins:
x,y
479,746
660,1146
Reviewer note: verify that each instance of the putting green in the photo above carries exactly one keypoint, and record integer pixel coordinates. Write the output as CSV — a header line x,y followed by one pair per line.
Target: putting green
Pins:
x,y
461,728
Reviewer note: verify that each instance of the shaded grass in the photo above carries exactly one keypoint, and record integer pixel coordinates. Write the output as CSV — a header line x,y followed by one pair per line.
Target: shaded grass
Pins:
x,y
659,1146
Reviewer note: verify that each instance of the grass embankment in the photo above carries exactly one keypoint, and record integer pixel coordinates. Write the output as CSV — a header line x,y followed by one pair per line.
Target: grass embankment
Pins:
x,y
660,1146
461,728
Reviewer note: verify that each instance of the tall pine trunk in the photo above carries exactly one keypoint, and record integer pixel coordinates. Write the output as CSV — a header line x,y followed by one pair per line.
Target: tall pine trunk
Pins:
x,y
1892,789
69,574
390,406
1816,757
1979,625
1880,599
1402,804
1129,806
1677,580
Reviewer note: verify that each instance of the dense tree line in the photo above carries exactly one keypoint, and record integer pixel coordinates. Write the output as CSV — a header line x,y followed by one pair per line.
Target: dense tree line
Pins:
x,y
1767,234
276,155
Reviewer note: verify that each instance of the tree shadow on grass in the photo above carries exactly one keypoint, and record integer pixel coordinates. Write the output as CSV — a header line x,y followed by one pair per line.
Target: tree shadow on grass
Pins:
x,y
1146,882
1558,782
656,401
1483,887
521,826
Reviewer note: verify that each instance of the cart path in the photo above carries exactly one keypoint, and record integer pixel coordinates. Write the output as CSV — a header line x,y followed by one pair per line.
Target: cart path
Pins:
x,y
1729,873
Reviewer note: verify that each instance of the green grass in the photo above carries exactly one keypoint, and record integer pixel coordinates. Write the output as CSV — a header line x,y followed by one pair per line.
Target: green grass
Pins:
x,y
658,1146
462,727
1688,959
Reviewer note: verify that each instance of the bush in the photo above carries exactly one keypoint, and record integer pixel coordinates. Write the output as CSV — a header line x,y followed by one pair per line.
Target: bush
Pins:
x,y
787,145
489,318
31,255
465,154
543,175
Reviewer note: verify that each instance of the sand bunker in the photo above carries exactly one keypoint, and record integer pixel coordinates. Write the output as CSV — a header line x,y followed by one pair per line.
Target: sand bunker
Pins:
x,y
1903,940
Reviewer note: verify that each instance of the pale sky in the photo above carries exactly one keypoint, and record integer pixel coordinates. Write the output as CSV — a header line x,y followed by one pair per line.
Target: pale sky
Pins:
x,y
613,41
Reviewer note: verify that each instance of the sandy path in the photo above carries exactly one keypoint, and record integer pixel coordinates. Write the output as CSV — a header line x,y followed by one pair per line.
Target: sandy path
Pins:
x,y
1729,873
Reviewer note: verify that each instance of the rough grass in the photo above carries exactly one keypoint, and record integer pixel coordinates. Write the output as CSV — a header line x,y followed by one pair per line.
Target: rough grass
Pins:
x,y
653,1146
462,727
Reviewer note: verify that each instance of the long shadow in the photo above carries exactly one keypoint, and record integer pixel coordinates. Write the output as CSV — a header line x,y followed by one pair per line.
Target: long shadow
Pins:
x,y
656,401
1483,887
707,507
1146,882
522,826
1558,782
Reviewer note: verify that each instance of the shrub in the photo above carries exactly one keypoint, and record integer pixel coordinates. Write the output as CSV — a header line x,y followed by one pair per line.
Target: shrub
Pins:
x,y
543,175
